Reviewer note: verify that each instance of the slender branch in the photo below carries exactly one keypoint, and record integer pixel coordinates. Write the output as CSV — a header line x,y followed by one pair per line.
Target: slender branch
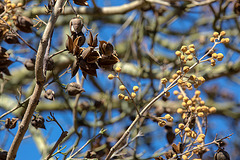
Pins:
x,y
40,79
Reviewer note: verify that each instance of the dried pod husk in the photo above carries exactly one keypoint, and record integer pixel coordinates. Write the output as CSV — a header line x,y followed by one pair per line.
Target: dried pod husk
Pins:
x,y
81,2
221,155
10,124
107,62
74,68
50,64
49,94
76,25
93,57
81,38
88,68
87,52
106,48
236,7
5,71
1,8
92,41
3,54
30,64
24,24
11,38
5,63
69,44
90,154
3,155
170,136
74,89
38,122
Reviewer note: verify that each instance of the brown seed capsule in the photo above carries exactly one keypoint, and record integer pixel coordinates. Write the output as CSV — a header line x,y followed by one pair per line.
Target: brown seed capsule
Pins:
x,y
76,25
38,122
49,94
50,64
3,154
10,124
30,64
1,8
11,38
24,24
74,89
221,155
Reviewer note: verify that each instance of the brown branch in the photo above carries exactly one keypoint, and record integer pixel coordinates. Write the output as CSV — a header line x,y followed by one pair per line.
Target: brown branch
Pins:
x,y
40,79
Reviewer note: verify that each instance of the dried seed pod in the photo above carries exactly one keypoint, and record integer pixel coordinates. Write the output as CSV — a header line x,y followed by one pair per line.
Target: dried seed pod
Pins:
x,y
74,68
92,41
50,64
1,8
11,38
49,94
236,7
170,136
30,64
24,24
3,154
74,89
76,25
91,154
81,2
221,155
10,124
38,122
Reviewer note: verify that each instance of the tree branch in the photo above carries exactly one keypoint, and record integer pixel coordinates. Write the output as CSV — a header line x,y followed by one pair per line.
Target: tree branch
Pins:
x,y
40,79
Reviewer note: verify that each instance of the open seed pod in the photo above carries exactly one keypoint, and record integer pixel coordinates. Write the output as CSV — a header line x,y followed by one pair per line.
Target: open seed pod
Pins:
x,y
74,89
30,64
76,25
49,94
11,38
24,24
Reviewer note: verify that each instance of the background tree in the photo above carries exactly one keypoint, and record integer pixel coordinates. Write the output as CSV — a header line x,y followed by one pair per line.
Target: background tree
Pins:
x,y
124,80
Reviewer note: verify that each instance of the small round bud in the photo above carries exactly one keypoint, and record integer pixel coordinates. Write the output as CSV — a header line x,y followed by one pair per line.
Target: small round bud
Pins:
x,y
199,140
214,55
135,88
178,53
192,109
192,50
189,57
167,94
212,39
181,126
185,69
170,119
118,69
122,87
162,123
180,81
191,46
200,114
197,93
185,99
110,76
192,77
167,116
187,129
179,110
164,80
212,110
121,96
179,72
187,52
201,136
184,157
180,97
215,34
222,33
174,76
126,98
220,56
175,92
189,102
133,94
177,130
184,48
182,57
19,4
194,134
